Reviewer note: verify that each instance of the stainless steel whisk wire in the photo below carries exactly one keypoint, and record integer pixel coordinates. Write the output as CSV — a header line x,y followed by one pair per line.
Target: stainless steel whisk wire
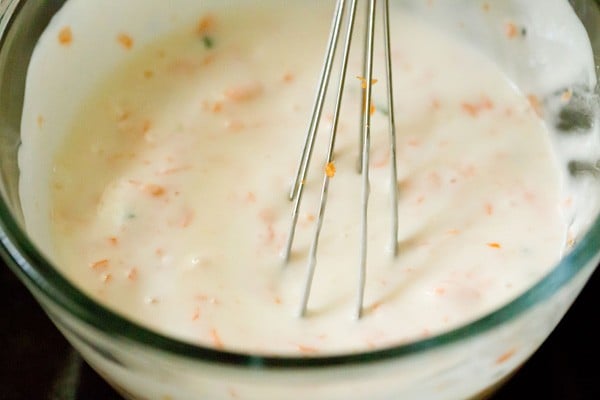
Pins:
x,y
349,8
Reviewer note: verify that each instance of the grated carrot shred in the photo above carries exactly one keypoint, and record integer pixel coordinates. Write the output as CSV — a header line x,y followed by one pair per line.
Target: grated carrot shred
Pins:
x,y
196,314
100,264
567,95
363,81
506,356
244,92
536,105
510,30
125,40
216,339
155,190
65,36
330,170
288,77
40,120
132,274
307,349
107,278
474,109
206,24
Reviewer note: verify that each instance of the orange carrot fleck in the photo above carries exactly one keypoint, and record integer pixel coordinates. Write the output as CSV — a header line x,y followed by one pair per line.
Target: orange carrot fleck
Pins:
x,y
376,306
506,356
453,232
536,105
270,234
188,218
440,291
217,107
474,109
494,245
486,103
510,30
155,190
566,96
40,121
208,59
206,24
267,215
363,82
107,278
489,209
307,349
113,240
330,169
125,40
470,109
146,126
174,170
216,339
244,92
196,314
250,197
288,77
100,264
132,274
123,115
372,109
65,36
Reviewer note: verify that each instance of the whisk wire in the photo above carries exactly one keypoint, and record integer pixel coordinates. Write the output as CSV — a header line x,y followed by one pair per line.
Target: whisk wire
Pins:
x,y
365,141
319,100
330,158
391,127
362,271
297,190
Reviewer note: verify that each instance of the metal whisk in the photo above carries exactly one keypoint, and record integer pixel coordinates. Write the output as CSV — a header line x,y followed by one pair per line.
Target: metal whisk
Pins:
x,y
347,8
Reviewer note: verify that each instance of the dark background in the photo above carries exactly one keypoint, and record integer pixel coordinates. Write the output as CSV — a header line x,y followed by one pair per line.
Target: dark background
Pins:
x,y
36,363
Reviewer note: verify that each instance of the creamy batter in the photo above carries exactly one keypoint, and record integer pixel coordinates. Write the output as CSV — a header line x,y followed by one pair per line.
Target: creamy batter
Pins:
x,y
169,195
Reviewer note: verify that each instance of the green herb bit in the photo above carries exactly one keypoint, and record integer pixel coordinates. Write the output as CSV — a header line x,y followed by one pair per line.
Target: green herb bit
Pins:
x,y
208,41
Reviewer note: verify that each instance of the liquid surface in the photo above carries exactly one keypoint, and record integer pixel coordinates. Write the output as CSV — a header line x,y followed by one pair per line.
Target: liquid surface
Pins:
x,y
172,188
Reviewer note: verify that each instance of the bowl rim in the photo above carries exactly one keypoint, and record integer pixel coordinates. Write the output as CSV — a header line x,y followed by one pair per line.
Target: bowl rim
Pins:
x,y
42,278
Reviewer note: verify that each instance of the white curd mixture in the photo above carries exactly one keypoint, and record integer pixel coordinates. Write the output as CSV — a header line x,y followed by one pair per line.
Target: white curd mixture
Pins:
x,y
169,196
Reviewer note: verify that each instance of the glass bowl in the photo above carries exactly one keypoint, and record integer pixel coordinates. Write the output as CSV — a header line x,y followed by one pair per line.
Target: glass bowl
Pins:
x,y
467,362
